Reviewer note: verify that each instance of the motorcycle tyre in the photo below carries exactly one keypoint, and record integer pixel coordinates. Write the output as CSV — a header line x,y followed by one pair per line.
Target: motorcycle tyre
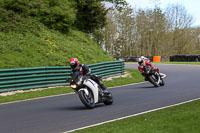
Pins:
x,y
108,99
84,100
152,81
162,82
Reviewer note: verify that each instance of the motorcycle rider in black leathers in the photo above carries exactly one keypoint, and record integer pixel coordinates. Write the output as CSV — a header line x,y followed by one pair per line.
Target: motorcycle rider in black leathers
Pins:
x,y
85,71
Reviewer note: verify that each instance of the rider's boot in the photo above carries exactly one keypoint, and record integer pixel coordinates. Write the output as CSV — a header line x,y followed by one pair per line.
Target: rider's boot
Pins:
x,y
104,88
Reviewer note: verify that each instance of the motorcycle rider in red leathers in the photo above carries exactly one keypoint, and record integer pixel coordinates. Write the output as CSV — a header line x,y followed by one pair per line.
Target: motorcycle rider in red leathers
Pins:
x,y
144,65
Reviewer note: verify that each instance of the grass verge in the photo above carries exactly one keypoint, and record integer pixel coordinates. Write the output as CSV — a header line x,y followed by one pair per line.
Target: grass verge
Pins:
x,y
134,77
48,48
184,118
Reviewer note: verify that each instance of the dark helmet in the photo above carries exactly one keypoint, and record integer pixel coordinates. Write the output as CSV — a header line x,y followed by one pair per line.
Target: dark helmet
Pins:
x,y
74,63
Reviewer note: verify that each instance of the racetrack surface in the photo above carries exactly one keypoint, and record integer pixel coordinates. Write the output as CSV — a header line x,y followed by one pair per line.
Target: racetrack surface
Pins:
x,y
66,112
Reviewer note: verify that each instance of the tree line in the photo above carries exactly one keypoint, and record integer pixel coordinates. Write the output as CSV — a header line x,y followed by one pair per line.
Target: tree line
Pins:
x,y
150,32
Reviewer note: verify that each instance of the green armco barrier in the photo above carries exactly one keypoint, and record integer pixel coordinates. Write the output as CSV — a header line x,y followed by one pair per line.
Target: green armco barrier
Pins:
x,y
40,77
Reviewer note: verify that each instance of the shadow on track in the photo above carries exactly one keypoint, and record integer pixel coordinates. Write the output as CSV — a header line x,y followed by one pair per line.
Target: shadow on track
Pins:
x,y
77,108
146,87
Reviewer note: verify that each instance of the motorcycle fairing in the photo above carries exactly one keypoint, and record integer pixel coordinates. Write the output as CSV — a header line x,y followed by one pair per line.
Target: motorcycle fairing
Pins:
x,y
94,88
84,89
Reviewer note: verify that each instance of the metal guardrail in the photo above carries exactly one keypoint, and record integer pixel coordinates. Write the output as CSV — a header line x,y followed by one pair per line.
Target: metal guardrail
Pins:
x,y
39,77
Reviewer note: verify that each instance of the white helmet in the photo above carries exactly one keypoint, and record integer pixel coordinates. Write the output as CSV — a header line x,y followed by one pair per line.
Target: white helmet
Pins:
x,y
142,57
140,60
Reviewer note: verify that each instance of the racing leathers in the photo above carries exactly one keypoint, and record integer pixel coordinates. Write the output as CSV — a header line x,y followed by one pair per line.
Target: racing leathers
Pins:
x,y
144,66
86,71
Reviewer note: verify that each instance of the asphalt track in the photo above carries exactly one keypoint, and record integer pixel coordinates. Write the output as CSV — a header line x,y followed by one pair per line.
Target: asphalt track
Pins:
x,y
66,112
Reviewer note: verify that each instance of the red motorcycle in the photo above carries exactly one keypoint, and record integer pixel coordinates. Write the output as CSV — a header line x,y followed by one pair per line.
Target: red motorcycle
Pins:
x,y
152,75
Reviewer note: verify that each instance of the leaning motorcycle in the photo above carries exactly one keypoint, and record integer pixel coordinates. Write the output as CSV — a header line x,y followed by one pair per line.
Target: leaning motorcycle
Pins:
x,y
89,91
154,76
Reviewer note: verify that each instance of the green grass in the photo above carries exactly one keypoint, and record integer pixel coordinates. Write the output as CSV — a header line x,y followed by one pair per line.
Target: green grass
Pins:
x,y
27,42
134,78
45,47
35,94
184,118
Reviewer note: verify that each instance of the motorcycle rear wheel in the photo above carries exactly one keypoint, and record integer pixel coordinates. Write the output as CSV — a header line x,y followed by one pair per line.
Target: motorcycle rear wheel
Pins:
x,y
87,100
108,99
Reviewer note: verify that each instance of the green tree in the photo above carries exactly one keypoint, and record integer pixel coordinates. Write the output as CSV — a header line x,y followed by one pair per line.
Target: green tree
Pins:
x,y
90,15
55,14
118,4
179,22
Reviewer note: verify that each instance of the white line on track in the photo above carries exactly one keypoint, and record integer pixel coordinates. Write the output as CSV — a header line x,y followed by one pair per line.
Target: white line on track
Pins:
x,y
131,115
34,99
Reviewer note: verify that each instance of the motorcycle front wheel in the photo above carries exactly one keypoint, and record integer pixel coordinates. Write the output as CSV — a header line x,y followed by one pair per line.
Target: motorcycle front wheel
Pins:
x,y
162,83
87,100
154,80
108,99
